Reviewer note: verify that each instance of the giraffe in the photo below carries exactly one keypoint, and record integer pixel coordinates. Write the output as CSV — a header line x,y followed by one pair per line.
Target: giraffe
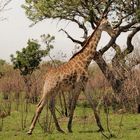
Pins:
x,y
71,76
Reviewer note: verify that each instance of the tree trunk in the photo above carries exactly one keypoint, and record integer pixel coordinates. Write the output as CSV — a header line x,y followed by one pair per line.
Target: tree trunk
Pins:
x,y
115,81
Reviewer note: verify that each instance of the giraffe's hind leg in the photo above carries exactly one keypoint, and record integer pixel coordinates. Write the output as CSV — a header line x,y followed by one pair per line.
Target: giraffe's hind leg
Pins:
x,y
72,108
37,113
52,109
96,114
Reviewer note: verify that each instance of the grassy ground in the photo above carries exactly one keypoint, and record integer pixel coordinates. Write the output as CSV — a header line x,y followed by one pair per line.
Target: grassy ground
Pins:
x,y
84,126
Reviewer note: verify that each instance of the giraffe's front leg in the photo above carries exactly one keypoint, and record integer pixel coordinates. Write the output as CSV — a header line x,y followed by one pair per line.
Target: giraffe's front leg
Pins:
x,y
37,113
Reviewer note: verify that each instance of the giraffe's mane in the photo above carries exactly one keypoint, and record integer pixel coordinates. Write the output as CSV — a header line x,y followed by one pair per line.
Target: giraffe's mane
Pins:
x,y
85,44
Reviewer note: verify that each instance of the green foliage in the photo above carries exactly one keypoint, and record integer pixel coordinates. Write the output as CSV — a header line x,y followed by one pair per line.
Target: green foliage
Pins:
x,y
37,10
80,10
2,62
30,57
2,67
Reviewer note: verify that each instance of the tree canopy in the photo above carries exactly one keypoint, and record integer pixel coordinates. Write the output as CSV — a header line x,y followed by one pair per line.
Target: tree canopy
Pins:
x,y
30,57
123,15
83,12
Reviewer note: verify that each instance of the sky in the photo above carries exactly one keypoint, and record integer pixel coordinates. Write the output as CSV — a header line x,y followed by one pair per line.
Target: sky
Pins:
x,y
15,32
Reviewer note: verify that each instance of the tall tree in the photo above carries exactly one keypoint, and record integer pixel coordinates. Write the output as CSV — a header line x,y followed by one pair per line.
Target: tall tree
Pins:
x,y
123,15
28,60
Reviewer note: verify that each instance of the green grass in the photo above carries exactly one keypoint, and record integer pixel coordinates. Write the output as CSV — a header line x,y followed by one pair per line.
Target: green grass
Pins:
x,y
84,126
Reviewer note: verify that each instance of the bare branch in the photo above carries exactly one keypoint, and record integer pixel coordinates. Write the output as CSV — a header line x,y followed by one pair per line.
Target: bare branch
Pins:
x,y
111,43
130,46
121,55
81,25
114,35
118,61
70,37
4,4
121,20
126,27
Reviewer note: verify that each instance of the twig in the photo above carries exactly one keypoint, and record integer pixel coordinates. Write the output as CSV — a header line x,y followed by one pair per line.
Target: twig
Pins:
x,y
120,124
107,121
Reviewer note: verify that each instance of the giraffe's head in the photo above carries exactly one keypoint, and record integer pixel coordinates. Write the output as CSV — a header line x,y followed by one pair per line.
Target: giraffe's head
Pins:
x,y
104,25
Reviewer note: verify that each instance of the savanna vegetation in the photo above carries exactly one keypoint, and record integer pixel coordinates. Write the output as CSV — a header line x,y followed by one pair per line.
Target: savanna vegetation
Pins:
x,y
113,87
120,121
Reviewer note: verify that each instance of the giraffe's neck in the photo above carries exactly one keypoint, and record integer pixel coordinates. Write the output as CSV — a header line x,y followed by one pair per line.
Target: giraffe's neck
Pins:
x,y
86,54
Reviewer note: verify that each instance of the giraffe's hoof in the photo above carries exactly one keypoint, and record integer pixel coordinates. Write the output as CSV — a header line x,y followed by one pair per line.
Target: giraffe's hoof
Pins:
x,y
29,132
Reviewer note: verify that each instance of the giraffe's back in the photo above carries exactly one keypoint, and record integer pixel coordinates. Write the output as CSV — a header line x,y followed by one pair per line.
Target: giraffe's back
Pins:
x,y
66,77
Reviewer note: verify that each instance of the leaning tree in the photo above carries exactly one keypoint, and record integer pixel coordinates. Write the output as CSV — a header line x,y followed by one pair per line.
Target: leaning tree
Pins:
x,y
123,15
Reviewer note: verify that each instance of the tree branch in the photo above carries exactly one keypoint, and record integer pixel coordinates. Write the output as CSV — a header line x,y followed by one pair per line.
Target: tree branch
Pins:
x,y
121,20
126,27
4,5
130,46
115,34
70,37
81,26
118,61
111,42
